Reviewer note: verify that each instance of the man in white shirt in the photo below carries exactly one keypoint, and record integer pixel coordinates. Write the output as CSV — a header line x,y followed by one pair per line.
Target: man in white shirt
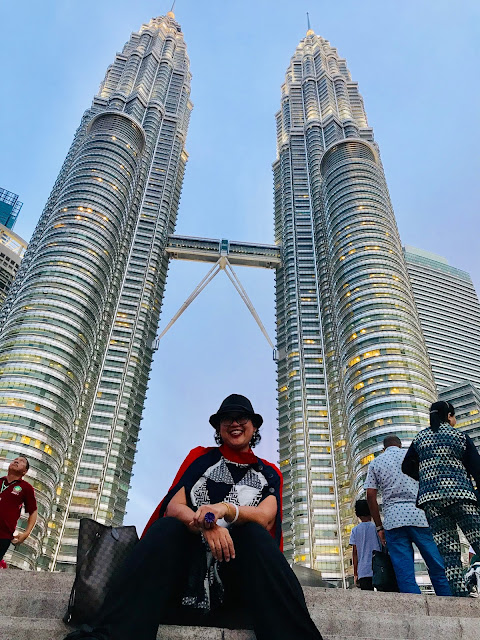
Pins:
x,y
403,523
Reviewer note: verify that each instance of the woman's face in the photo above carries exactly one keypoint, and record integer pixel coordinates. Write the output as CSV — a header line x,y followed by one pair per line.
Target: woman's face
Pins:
x,y
452,421
237,431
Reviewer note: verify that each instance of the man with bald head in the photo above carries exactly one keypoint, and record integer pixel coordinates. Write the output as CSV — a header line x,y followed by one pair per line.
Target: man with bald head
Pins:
x,y
403,523
15,493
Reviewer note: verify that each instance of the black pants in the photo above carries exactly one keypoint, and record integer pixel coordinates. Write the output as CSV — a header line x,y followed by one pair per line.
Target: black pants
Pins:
x,y
366,584
151,582
4,544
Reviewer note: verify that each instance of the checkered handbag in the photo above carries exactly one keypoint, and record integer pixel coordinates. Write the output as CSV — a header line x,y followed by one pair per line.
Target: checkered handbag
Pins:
x,y
101,551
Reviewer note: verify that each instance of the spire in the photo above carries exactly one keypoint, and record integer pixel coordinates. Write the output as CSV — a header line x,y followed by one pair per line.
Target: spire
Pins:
x,y
170,14
310,31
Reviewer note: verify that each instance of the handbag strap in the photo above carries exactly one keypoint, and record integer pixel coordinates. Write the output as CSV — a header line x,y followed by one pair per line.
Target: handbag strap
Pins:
x,y
383,547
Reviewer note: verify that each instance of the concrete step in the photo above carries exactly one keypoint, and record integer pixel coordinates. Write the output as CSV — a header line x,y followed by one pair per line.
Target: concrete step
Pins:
x,y
33,603
13,628
332,627
319,600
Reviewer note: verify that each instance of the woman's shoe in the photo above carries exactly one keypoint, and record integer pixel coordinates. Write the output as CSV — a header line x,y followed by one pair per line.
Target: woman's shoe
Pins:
x,y
86,632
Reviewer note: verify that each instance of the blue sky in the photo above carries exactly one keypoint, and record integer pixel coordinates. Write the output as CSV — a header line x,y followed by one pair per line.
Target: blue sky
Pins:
x,y
416,63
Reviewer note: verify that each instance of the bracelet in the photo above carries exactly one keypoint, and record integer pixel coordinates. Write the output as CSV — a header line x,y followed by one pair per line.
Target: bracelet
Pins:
x,y
228,505
237,512
380,527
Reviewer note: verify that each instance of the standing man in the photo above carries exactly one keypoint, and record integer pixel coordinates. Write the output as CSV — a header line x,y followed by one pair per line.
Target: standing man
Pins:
x,y
14,493
403,523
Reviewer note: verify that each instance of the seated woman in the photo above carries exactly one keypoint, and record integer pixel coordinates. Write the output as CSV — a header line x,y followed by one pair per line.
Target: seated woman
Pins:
x,y
217,532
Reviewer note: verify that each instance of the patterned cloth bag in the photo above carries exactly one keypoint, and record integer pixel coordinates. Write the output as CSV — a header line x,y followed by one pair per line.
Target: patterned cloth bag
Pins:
x,y
101,551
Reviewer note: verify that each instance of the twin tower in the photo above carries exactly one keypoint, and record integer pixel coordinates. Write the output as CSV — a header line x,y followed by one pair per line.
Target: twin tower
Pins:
x,y
78,326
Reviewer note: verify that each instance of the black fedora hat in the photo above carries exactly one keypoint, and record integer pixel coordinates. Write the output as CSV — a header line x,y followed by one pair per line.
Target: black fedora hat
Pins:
x,y
239,404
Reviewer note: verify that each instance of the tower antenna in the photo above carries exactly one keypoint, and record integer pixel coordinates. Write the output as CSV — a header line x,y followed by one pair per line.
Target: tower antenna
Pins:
x,y
308,21
170,14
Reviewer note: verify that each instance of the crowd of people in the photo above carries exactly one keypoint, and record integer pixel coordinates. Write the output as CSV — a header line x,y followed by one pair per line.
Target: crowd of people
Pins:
x,y
215,541
428,494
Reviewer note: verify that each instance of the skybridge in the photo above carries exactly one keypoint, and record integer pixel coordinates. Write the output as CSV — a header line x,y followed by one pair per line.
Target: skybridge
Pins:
x,y
241,254
224,255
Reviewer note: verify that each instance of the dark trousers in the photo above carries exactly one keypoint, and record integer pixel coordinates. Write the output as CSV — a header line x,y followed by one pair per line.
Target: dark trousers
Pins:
x,y
4,544
366,584
443,521
151,582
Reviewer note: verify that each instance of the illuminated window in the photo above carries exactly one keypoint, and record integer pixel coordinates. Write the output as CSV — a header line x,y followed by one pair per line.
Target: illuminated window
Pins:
x,y
367,459
13,402
371,354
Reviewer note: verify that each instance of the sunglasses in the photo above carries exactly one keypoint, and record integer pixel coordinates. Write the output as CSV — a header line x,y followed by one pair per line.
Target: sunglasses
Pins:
x,y
240,420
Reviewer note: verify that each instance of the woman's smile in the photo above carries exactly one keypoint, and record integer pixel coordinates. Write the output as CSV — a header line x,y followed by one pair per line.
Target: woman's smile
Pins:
x,y
235,435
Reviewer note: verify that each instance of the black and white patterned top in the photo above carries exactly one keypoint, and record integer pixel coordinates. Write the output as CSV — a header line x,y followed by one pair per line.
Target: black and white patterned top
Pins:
x,y
227,481
443,461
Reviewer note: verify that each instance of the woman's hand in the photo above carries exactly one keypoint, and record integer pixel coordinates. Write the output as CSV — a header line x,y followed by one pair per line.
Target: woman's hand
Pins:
x,y
219,510
220,542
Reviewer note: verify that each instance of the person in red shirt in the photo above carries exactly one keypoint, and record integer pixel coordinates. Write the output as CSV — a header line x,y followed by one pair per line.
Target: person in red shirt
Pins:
x,y
15,493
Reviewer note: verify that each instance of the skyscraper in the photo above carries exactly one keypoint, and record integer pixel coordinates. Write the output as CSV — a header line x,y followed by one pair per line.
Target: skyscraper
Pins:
x,y
10,207
12,250
449,312
78,325
465,397
353,365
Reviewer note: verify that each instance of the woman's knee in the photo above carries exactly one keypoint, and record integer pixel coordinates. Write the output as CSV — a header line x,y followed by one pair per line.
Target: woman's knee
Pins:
x,y
166,527
253,536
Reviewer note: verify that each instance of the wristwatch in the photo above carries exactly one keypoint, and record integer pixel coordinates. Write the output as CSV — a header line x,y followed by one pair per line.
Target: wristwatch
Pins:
x,y
380,527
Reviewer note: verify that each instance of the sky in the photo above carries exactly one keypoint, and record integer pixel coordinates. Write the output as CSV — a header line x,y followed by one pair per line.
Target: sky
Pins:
x,y
416,63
